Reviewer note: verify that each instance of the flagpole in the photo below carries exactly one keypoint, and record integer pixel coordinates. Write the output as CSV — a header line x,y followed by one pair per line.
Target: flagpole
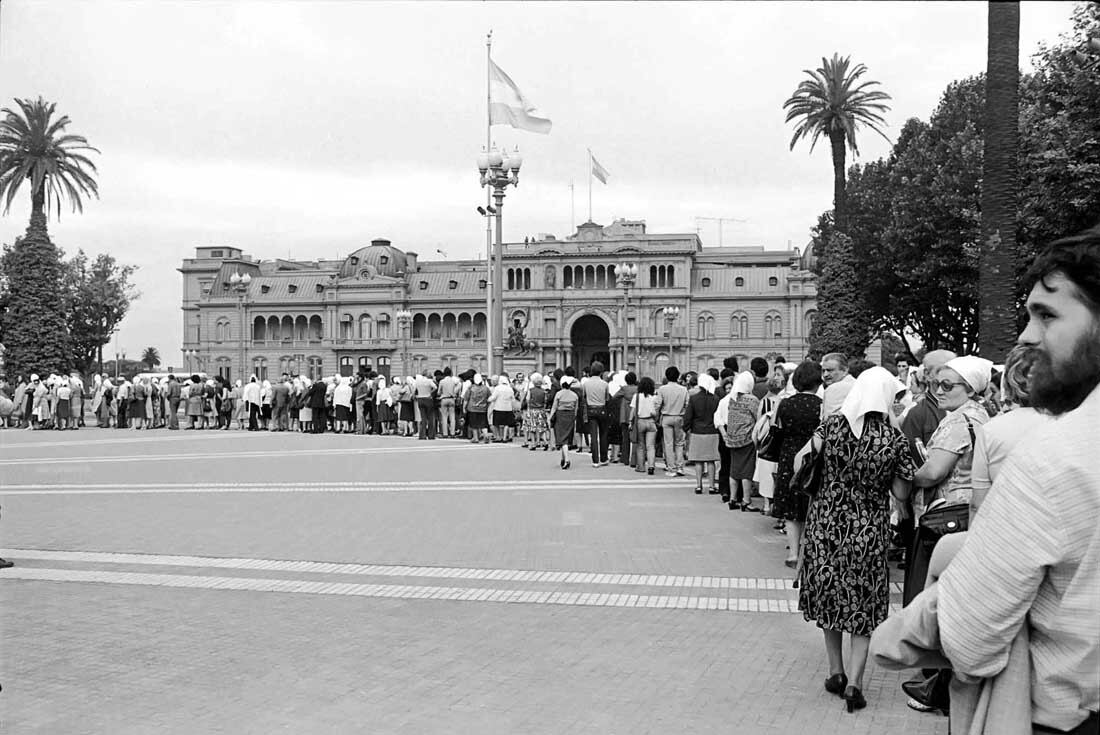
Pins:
x,y
573,210
589,184
488,208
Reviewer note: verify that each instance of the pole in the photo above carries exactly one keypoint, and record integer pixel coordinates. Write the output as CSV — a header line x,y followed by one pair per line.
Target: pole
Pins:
x,y
498,291
572,209
489,280
626,327
589,184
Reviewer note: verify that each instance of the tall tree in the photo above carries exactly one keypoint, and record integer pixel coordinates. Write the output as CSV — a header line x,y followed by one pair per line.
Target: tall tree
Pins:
x,y
35,149
834,102
151,357
997,312
97,295
849,329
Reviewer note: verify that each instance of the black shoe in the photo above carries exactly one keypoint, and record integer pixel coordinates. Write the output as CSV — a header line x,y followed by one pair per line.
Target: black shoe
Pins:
x,y
699,490
649,471
836,684
734,505
853,698
5,564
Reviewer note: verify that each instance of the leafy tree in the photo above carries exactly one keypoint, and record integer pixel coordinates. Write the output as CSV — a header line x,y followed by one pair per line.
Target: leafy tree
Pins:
x,y
838,294
833,102
151,357
999,182
34,148
97,296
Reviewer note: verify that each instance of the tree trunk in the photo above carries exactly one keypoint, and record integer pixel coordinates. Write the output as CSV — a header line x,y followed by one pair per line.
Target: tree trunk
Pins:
x,y
840,197
997,310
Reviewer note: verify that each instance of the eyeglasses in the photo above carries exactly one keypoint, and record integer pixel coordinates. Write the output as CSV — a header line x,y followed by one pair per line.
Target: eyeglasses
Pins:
x,y
946,386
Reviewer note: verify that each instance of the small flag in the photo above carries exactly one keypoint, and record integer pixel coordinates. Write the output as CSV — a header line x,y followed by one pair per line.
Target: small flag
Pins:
x,y
597,170
508,106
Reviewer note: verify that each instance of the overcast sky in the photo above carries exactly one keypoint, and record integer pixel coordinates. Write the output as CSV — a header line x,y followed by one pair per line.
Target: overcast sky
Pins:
x,y
307,129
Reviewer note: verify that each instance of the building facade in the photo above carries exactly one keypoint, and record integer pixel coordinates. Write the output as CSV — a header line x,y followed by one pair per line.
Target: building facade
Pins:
x,y
563,303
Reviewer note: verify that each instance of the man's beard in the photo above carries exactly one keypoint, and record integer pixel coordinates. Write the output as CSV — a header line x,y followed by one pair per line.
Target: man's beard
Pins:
x,y
1061,388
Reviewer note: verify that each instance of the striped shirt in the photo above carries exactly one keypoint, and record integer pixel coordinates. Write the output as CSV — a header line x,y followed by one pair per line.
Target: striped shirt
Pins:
x,y
1034,554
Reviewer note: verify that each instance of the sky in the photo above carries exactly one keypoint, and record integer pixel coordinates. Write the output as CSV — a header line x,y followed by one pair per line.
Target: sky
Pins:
x,y
307,129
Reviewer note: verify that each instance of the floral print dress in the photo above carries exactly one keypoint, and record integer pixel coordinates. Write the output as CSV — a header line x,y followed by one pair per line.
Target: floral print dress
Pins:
x,y
844,579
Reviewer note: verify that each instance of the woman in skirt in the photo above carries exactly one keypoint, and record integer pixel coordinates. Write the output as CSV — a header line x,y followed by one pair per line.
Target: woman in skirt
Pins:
x,y
563,417
504,416
305,413
699,424
741,414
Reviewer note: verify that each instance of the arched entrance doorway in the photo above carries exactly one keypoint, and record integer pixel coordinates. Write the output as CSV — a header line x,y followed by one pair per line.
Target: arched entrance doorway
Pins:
x,y
590,338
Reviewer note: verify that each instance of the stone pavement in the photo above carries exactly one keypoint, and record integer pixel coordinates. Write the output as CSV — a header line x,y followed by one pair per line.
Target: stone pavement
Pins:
x,y
210,582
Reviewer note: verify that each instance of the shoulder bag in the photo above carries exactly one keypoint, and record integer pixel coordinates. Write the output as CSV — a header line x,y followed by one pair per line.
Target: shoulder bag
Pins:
x,y
768,435
807,478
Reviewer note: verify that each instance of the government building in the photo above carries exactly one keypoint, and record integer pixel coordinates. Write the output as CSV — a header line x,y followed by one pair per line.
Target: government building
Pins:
x,y
382,309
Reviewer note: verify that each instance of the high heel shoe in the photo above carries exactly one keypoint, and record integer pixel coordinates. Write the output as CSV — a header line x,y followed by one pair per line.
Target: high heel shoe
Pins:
x,y
853,698
836,684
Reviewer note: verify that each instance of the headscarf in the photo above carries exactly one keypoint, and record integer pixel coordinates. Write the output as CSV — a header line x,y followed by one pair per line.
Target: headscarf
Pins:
x,y
503,380
743,383
547,384
709,384
618,382
478,380
974,370
534,380
567,380
873,392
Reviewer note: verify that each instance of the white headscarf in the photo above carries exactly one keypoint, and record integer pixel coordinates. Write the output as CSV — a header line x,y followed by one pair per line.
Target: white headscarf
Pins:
x,y
618,382
743,383
503,380
567,380
709,384
478,380
547,384
874,392
976,371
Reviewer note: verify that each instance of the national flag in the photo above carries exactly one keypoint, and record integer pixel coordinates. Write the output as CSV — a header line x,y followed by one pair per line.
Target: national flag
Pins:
x,y
597,170
508,106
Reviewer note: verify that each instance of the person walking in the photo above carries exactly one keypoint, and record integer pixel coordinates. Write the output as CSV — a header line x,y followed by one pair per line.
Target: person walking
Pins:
x,y
644,412
844,583
563,418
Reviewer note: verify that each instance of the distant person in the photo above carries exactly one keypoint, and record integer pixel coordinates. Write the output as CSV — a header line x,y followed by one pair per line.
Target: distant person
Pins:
x,y
834,373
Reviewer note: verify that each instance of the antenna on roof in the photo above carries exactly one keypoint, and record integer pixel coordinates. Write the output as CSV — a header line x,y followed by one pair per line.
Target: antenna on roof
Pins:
x,y
720,220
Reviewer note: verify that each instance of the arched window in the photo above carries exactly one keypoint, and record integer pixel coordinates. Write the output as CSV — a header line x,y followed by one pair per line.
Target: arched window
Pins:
x,y
465,327
449,326
589,277
435,326
259,329
287,328
653,276
773,325
347,327
221,331
705,326
364,364
301,329
739,325
671,276
346,366
527,278
384,365
419,326
566,277
259,368
366,327
601,276
477,362
316,329
479,326
316,367
273,329
382,328
808,322
511,278
578,277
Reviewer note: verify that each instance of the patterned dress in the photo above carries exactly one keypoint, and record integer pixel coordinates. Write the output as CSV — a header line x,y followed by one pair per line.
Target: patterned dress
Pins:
x,y
844,580
799,415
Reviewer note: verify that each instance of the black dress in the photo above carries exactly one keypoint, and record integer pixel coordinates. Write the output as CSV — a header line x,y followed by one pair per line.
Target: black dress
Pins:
x,y
799,415
844,578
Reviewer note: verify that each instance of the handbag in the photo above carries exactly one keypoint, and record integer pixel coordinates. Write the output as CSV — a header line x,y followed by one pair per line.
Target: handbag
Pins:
x,y
807,478
769,443
943,518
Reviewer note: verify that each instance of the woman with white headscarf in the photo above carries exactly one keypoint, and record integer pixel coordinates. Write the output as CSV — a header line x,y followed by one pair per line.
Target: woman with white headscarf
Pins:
x,y
305,410
406,404
535,423
383,408
844,583
959,386
341,403
741,410
476,409
500,403
563,418
240,408
699,425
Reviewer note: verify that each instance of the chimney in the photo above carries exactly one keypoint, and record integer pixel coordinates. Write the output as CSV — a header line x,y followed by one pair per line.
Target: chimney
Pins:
x,y
410,262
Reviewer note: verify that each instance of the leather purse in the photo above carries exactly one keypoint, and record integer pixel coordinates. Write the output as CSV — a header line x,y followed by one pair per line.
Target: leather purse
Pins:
x,y
807,478
769,446
943,518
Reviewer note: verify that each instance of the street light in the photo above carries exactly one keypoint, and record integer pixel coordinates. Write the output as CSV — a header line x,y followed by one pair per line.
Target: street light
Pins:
x,y
498,169
239,283
625,275
117,363
404,317
671,314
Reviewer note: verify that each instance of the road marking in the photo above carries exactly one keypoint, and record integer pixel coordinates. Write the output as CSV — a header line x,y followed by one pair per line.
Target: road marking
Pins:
x,y
138,438
388,570
516,486
394,591
275,453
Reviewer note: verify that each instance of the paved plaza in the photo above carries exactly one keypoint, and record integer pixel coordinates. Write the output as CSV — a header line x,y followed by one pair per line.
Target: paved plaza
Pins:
x,y
234,582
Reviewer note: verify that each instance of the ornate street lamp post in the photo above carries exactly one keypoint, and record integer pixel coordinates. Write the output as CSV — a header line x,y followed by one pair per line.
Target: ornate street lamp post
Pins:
x,y
626,274
671,314
498,169
404,319
239,283
117,363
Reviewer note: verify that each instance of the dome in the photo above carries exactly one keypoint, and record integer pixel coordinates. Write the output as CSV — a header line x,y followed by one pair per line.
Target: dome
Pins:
x,y
378,259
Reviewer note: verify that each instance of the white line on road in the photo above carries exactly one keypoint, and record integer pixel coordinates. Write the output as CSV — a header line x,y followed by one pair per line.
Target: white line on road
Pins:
x,y
334,487
126,437
398,591
392,570
276,453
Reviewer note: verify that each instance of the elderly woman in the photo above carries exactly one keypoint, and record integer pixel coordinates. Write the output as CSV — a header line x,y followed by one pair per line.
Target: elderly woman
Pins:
x,y
699,425
844,578
799,416
563,418
476,408
535,422
500,403
341,402
740,407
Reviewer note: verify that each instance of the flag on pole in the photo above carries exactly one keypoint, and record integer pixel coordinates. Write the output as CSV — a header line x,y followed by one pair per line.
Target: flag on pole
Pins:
x,y
597,170
508,106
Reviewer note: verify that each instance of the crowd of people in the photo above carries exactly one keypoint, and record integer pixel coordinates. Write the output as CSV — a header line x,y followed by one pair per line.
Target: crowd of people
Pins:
x,y
897,451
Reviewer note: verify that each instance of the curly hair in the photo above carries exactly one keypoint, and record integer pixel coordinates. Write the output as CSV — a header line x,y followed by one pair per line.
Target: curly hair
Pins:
x,y
1014,380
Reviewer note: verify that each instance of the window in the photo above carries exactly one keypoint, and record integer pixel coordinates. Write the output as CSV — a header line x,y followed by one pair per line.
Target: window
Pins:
x,y
419,326
773,281
346,367
319,288
808,322
265,288
705,326
366,327
739,282
567,277
347,327
549,327
223,367
364,364
259,368
383,326
315,368
423,285
706,283
481,284
217,254
773,325
292,288
739,325
452,284
670,276
384,260
221,331
259,329
316,329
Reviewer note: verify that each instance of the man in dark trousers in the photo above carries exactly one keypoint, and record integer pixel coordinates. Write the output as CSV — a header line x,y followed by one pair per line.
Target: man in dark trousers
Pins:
x,y
280,403
174,397
315,399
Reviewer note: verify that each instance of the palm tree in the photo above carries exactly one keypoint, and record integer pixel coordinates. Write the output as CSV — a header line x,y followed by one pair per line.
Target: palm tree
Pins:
x,y
150,357
33,148
997,264
833,102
